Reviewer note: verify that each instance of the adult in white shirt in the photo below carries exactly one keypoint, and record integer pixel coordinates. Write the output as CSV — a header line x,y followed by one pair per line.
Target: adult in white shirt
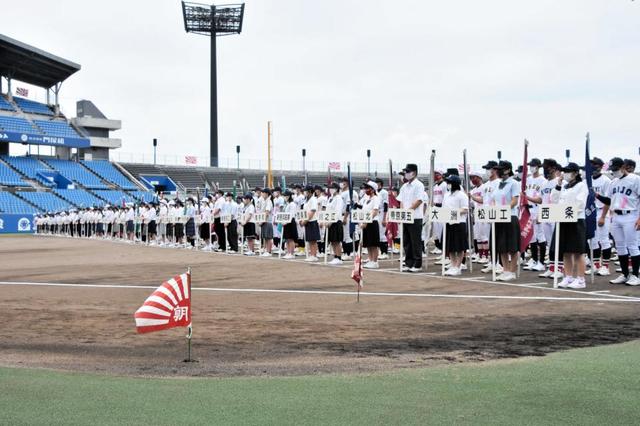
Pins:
x,y
412,196
218,227
347,229
572,234
457,237
231,209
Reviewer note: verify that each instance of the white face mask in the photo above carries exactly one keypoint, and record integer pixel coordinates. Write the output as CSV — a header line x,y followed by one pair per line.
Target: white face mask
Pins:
x,y
617,173
487,174
568,176
449,187
332,191
534,170
409,175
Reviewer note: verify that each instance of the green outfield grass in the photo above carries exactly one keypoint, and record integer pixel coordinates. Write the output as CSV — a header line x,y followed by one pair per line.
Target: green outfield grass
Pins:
x,y
585,386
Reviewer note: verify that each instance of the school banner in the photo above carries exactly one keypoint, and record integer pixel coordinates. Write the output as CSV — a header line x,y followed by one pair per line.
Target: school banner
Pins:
x,y
17,223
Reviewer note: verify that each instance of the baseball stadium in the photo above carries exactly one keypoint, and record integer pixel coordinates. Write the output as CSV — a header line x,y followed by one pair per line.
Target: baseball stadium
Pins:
x,y
423,289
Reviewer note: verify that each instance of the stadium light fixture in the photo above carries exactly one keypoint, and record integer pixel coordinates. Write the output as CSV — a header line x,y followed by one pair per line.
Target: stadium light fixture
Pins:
x,y
213,21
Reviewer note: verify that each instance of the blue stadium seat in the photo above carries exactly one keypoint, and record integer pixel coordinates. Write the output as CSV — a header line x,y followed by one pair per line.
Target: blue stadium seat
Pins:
x,y
79,197
144,196
33,107
57,128
29,167
10,178
5,105
108,172
114,197
17,124
45,201
77,173
9,203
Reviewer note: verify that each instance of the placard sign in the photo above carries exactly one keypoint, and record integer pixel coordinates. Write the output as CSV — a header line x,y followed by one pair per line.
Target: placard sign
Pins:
x,y
301,215
444,215
557,213
283,217
328,216
259,217
360,216
400,216
225,218
492,214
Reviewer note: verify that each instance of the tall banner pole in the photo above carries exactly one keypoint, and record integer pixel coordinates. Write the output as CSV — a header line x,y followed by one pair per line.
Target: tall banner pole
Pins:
x,y
432,167
469,219
350,187
190,327
591,213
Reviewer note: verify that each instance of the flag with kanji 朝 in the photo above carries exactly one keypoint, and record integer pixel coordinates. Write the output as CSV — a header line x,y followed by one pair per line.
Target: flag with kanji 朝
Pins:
x,y
356,274
167,307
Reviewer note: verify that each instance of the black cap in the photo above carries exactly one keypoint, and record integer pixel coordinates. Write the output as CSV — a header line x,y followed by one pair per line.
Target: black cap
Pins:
x,y
257,188
379,180
615,163
452,172
395,189
247,197
297,186
597,161
503,164
228,194
571,167
629,163
287,193
277,189
334,185
308,188
453,179
550,163
519,169
410,167
317,188
535,162
267,191
490,165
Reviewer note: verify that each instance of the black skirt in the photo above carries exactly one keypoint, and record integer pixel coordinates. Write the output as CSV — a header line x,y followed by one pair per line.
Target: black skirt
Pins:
x,y
371,235
179,230
457,238
573,236
290,231
249,230
336,232
508,236
190,228
205,231
153,227
129,226
312,231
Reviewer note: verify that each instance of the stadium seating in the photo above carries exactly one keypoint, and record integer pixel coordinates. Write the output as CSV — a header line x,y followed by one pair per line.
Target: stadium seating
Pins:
x,y
5,105
45,201
114,197
17,124
9,177
33,107
144,196
108,172
29,167
77,173
57,128
9,203
79,197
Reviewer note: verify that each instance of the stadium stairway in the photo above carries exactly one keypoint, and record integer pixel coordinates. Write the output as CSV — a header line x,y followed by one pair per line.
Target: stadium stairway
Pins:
x,y
78,174
109,173
28,168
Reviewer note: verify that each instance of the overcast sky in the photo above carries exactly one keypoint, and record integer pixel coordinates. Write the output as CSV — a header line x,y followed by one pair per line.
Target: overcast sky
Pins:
x,y
340,76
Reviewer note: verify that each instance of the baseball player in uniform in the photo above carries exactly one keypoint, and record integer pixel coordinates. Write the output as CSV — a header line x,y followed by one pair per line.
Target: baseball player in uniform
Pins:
x,y
533,194
600,243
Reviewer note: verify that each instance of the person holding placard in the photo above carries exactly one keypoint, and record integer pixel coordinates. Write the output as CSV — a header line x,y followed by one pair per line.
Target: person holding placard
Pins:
x,y
370,204
457,242
553,171
310,223
290,230
248,226
508,233
412,196
572,243
486,199
480,229
266,228
439,189
231,209
335,229
533,193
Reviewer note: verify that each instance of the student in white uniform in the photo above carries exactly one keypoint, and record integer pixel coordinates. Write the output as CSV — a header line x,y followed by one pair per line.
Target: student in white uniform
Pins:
x,y
310,223
600,243
553,171
457,237
335,230
623,201
370,203
507,193
412,196
348,228
439,189
266,228
231,228
249,227
290,230
533,194
383,196
480,229
572,234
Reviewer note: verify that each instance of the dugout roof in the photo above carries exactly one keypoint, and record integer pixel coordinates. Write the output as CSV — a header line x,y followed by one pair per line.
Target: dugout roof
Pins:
x,y
31,65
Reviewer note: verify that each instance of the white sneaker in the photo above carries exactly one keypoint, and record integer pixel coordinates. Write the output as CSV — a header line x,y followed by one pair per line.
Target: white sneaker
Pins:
x,y
633,280
529,265
603,271
371,265
436,250
265,254
506,276
288,256
414,269
383,256
538,267
475,258
577,284
463,267
249,253
487,269
346,257
499,269
565,282
546,274
335,261
452,272
446,261
395,251
311,259
483,260
620,280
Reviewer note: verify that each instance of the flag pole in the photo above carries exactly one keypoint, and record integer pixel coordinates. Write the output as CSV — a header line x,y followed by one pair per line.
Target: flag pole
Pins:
x,y
593,262
189,327
469,222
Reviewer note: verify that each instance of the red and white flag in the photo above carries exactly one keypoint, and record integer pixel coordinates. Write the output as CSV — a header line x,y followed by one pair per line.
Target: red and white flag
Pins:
x,y
356,274
190,159
526,219
21,91
167,307
461,168
334,165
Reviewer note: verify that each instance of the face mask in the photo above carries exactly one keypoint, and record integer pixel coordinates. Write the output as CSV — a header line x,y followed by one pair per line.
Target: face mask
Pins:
x,y
410,175
449,187
617,174
487,174
534,170
343,185
332,191
567,176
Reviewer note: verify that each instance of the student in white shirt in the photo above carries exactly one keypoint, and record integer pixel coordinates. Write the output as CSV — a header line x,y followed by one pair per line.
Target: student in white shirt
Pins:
x,y
601,243
231,228
266,228
439,190
218,227
457,238
348,228
310,223
507,193
336,236
412,196
248,226
371,231
290,230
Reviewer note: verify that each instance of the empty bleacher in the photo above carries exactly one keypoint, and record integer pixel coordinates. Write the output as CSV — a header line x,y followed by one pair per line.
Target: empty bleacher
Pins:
x,y
57,128
5,105
9,177
9,203
28,166
32,107
114,197
108,172
17,124
187,177
79,197
77,173
45,201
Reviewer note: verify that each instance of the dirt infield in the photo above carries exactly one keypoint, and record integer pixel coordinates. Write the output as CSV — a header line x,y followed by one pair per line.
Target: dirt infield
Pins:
x,y
427,321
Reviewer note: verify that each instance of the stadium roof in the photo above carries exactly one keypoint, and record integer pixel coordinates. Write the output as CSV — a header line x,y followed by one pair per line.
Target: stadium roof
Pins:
x,y
32,65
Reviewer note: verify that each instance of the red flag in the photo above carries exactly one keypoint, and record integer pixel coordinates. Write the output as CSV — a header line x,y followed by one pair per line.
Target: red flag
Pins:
x,y
526,221
356,274
167,307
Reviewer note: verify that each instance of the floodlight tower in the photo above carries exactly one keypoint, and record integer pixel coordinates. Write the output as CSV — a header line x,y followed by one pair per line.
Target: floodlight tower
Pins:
x,y
213,21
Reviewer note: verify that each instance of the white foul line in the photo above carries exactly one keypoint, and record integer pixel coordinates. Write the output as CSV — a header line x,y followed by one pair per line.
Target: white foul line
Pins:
x,y
335,293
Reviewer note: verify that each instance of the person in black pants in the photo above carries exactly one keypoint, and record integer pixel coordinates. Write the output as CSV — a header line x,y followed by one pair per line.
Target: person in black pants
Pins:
x,y
412,196
232,227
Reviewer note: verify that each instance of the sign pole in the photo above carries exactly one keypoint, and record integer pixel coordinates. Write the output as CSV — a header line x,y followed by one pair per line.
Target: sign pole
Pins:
x,y
189,328
326,242
493,251
444,246
555,262
401,229
593,262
